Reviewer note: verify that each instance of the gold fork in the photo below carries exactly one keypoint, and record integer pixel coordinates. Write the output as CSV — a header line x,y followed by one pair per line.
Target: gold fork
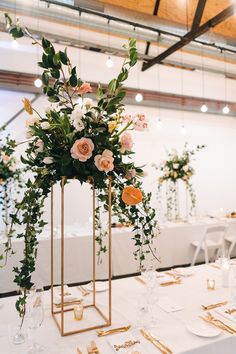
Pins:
x,y
102,333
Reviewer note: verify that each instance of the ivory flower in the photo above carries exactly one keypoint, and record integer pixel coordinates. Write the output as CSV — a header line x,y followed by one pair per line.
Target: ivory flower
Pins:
x,y
84,88
40,145
104,162
126,142
82,149
88,103
27,106
185,168
48,160
176,166
76,118
45,125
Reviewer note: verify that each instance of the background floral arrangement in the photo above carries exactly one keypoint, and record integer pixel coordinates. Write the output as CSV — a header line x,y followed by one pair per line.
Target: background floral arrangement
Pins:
x,y
81,140
10,180
177,167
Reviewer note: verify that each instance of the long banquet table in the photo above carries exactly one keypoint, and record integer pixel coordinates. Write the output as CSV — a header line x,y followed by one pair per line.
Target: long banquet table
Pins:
x,y
127,299
173,248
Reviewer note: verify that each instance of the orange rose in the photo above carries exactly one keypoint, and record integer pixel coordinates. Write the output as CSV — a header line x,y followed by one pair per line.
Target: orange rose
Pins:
x,y
131,195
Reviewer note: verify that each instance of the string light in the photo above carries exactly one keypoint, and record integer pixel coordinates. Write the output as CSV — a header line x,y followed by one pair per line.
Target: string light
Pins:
x,y
139,97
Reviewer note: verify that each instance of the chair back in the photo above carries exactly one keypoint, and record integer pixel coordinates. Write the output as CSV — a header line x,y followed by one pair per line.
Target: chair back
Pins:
x,y
216,233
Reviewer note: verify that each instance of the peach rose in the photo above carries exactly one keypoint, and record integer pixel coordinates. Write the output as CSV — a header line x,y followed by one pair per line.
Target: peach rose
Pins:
x,y
104,162
82,149
126,142
84,88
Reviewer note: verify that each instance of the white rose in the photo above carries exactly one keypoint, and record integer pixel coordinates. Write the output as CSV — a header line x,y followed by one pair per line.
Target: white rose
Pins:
x,y
176,166
32,120
40,145
45,125
48,160
88,103
76,118
185,168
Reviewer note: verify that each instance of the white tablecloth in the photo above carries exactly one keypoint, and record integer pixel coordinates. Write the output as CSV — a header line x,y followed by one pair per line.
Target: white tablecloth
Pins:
x,y
127,300
173,248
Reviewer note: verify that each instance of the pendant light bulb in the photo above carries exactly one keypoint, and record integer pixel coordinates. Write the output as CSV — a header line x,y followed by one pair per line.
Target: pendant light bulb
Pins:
x,y
225,109
109,63
139,97
159,124
204,108
183,130
38,83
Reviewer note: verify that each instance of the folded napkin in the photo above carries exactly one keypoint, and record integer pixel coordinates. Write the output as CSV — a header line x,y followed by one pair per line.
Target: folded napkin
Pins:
x,y
164,278
70,294
169,305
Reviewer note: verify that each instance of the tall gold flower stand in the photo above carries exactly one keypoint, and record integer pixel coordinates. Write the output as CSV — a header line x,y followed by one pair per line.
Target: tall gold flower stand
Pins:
x,y
65,314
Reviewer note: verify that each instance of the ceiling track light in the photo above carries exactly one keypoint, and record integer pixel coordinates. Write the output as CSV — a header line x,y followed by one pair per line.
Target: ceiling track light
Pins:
x,y
139,97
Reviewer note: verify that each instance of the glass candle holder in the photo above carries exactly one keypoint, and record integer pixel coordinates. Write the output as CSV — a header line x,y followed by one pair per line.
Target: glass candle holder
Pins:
x,y
211,284
78,312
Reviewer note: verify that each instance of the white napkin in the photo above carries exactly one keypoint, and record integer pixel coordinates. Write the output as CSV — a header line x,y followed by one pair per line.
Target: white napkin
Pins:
x,y
221,311
164,278
70,294
169,305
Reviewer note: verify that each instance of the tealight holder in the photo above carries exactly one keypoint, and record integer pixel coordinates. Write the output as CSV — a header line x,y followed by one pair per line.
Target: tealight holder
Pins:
x,y
211,284
78,312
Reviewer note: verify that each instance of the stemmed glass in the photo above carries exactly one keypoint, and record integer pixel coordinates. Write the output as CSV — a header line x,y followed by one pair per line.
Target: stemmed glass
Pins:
x,y
36,316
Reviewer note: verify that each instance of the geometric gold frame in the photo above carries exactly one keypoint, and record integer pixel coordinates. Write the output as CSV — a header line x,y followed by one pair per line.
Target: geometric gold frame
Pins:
x,y
106,319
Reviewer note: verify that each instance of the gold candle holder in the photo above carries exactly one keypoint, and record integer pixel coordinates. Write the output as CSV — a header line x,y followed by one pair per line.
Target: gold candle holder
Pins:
x,y
78,312
211,284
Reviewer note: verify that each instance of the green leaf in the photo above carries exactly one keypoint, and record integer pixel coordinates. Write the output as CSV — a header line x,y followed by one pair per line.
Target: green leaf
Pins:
x,y
56,59
45,43
63,57
53,99
55,74
73,81
45,78
16,32
112,85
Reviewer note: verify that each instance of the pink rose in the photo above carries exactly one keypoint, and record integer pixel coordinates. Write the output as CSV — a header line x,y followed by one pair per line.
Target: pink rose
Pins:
x,y
104,162
126,142
140,122
84,88
82,149
130,174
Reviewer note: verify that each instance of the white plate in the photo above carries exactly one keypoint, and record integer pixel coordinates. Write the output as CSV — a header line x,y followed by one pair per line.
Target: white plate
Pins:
x,y
100,286
201,329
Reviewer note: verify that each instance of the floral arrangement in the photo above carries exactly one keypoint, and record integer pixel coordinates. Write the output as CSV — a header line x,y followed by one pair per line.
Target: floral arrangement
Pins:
x,y
88,141
10,179
177,167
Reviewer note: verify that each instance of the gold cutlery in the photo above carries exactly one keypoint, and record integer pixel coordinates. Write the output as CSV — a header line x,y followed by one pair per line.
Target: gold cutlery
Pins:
x,y
214,324
92,348
140,280
102,333
69,303
78,351
176,281
213,306
221,322
158,344
84,291
230,311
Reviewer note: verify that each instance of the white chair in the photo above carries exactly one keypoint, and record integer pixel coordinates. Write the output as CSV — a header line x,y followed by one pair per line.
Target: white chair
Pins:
x,y
232,240
212,240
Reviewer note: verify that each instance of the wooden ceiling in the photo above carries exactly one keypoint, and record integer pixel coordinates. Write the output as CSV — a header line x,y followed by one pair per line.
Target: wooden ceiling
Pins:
x,y
175,11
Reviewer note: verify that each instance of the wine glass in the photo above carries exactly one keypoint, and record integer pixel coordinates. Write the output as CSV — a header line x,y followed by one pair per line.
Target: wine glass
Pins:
x,y
36,316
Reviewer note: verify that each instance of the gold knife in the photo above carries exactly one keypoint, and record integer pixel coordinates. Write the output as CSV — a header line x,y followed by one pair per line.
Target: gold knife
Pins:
x,y
167,283
102,333
216,324
163,348
213,306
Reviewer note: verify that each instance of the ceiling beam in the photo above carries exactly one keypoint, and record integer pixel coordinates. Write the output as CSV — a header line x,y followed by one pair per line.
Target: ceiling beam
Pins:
x,y
192,35
198,14
155,11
